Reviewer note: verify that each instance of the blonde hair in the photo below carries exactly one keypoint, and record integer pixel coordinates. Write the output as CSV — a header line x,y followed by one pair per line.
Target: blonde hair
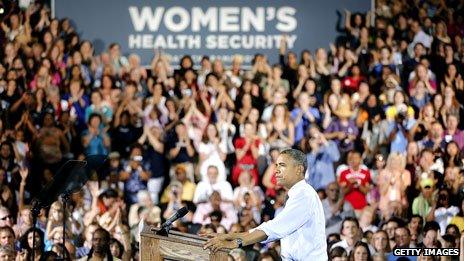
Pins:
x,y
395,159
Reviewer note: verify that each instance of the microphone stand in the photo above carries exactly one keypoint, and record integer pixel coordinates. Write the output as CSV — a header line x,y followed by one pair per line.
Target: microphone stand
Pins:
x,y
64,198
35,210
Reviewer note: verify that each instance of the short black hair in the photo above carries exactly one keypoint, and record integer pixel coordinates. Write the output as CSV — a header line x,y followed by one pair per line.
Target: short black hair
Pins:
x,y
298,157
431,225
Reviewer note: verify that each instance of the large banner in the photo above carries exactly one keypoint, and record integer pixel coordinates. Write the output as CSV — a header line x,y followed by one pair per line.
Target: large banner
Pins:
x,y
218,28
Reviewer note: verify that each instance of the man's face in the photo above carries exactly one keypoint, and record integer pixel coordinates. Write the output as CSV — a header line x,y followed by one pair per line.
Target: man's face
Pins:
x,y
380,241
212,175
6,219
402,238
287,172
350,229
332,192
7,256
5,151
6,239
99,242
452,122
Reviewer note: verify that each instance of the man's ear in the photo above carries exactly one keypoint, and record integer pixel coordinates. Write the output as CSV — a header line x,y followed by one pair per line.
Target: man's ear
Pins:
x,y
301,172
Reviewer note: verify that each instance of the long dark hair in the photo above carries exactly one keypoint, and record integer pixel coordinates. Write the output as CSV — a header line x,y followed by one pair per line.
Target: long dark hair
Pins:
x,y
24,244
360,244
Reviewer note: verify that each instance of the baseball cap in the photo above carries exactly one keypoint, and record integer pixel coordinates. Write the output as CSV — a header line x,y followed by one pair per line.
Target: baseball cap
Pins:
x,y
428,182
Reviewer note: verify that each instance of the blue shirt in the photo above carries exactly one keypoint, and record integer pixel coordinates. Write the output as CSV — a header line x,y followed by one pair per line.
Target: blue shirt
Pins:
x,y
320,170
304,124
400,142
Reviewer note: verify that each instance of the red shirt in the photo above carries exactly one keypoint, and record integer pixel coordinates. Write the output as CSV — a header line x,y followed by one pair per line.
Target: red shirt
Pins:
x,y
354,195
248,157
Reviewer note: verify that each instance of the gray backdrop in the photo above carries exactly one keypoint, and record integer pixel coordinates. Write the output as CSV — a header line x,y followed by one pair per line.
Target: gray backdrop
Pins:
x,y
216,28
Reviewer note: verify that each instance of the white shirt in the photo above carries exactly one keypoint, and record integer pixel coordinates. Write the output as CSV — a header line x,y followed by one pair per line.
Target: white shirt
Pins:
x,y
300,226
204,189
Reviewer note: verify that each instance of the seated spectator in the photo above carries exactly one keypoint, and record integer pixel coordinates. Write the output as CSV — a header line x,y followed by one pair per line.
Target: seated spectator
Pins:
x,y
205,188
188,187
7,237
350,232
7,253
423,204
360,251
452,132
100,246
444,211
380,243
229,215
246,186
336,209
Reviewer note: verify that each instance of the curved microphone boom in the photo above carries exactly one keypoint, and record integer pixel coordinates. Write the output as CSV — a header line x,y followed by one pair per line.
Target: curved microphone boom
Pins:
x,y
166,226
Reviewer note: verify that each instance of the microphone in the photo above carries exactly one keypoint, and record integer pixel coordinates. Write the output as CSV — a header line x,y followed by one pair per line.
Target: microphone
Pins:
x,y
167,225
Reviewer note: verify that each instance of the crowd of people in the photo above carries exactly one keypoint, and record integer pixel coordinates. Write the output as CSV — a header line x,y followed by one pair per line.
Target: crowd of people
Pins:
x,y
379,115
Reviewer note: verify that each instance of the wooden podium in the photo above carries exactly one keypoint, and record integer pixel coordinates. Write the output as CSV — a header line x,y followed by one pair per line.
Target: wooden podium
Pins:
x,y
176,246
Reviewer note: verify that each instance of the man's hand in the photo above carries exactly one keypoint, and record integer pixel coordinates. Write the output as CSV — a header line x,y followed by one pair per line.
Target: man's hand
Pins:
x,y
219,243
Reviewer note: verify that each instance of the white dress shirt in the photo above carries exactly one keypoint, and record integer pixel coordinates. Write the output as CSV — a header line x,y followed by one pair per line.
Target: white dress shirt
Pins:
x,y
300,226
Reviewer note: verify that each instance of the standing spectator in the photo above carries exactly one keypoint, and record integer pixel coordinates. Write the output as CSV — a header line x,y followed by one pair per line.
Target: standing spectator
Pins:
x,y
343,130
304,116
181,150
321,157
134,176
355,182
246,152
95,139
212,153
392,183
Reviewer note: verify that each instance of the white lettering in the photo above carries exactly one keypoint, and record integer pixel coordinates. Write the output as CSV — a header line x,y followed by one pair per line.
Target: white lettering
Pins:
x,y
146,18
287,21
228,21
135,41
260,42
235,42
291,39
210,42
249,18
208,18
184,20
